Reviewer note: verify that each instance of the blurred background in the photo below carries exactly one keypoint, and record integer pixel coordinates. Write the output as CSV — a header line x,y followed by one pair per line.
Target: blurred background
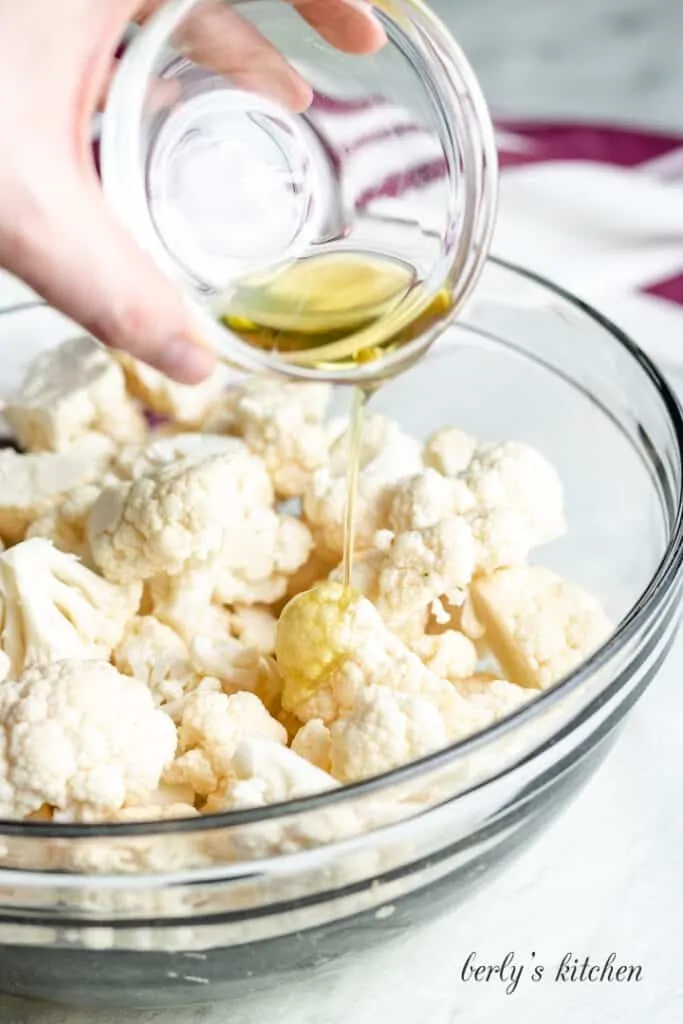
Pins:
x,y
614,60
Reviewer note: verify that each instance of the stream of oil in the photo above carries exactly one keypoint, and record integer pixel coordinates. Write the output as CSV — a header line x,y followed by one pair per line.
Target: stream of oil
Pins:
x,y
333,311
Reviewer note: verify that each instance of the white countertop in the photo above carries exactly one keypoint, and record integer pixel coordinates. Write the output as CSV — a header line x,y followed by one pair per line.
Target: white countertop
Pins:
x,y
606,877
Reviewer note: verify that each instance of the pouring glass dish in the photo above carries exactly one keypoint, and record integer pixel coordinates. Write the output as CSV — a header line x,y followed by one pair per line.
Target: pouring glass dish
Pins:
x,y
300,254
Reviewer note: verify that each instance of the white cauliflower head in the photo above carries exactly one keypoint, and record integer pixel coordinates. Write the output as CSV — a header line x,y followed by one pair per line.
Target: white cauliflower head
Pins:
x,y
450,655
81,738
30,485
267,773
332,644
176,518
403,579
426,499
239,668
211,727
515,476
312,741
55,609
387,456
282,422
154,653
186,404
185,603
65,524
134,461
538,626
495,697
449,451
71,391
384,729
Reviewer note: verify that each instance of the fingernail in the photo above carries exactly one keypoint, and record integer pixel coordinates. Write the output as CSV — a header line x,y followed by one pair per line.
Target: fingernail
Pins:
x,y
186,362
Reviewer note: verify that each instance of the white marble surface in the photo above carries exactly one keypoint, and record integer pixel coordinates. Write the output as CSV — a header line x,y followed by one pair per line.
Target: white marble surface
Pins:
x,y
606,877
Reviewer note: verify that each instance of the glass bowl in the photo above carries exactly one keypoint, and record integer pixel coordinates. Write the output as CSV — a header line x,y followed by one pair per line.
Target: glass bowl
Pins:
x,y
229,906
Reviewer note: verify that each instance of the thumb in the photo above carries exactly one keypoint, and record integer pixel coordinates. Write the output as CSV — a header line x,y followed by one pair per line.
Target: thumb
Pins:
x,y
77,256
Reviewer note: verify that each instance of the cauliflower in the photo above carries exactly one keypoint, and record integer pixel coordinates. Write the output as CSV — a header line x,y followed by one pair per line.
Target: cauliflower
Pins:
x,y
312,741
449,451
53,608
266,773
332,644
538,626
184,603
81,738
211,727
387,456
497,697
283,424
65,524
239,668
415,569
450,655
153,653
30,485
258,558
514,476
383,730
134,461
174,519
426,499
72,391
255,627
186,404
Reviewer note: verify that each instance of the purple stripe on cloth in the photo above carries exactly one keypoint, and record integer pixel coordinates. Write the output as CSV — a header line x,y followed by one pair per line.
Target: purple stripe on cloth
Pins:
x,y
326,104
671,289
395,185
382,135
606,144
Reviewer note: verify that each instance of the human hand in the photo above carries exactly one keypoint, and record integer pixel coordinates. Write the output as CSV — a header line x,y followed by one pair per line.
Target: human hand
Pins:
x,y
56,230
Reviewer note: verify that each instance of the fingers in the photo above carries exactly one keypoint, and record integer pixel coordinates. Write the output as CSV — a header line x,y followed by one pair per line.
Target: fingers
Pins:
x,y
82,262
216,36
349,25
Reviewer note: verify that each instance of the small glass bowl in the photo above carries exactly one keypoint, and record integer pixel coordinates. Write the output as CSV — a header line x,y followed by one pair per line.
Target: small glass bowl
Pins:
x,y
223,186
229,906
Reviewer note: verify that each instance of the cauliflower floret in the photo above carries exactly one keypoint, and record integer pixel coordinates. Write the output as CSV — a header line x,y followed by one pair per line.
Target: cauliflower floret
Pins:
x,y
283,424
515,476
384,729
184,603
495,696
186,404
449,451
426,499
81,738
415,569
174,519
388,455
267,773
238,668
56,609
134,461
313,742
450,655
65,524
255,627
71,391
153,653
332,644
257,559
30,485
211,727
538,626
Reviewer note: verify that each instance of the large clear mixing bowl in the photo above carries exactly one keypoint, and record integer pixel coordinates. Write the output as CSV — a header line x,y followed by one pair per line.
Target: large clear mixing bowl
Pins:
x,y
228,906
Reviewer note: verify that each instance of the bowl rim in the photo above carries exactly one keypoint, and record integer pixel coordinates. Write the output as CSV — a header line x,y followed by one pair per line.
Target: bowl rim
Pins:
x,y
649,600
